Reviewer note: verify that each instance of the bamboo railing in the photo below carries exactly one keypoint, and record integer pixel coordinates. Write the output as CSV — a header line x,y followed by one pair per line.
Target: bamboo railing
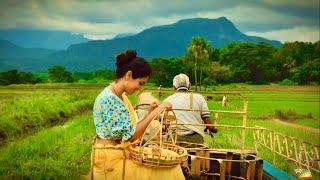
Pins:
x,y
304,154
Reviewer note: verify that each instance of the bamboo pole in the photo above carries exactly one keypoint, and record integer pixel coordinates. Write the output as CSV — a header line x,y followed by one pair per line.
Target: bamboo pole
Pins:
x,y
244,124
255,136
295,150
287,149
305,153
272,147
222,169
317,154
292,159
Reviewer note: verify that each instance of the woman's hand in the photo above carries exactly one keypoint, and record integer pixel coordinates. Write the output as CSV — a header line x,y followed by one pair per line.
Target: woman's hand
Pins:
x,y
142,125
153,106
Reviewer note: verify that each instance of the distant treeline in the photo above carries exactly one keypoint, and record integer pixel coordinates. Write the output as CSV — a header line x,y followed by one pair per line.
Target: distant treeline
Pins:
x,y
55,74
292,63
258,63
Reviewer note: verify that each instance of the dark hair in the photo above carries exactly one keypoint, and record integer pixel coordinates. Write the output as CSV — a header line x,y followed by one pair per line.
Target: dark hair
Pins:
x,y
128,61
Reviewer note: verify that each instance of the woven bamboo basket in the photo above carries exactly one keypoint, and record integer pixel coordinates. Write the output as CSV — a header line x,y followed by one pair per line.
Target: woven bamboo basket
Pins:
x,y
168,155
156,153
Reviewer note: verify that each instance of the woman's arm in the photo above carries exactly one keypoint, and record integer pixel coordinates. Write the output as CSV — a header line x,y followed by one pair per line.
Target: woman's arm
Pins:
x,y
143,124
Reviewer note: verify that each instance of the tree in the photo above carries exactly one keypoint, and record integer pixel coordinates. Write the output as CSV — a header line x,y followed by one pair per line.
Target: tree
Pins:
x,y
28,78
219,74
292,55
249,62
104,74
164,70
199,50
9,77
58,74
307,73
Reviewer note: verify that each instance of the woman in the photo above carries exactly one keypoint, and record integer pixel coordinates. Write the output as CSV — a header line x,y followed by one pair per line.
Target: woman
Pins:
x,y
116,125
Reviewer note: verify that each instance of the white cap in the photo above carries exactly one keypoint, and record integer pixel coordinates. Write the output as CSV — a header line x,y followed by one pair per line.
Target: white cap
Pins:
x,y
181,80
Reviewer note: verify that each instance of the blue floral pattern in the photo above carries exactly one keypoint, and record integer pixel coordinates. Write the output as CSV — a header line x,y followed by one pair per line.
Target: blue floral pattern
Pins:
x,y
111,117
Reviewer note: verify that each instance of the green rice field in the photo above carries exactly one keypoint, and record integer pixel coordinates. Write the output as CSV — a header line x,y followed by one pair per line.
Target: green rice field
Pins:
x,y
46,130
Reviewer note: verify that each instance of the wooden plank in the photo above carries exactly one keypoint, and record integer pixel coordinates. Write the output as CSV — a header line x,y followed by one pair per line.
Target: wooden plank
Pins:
x,y
198,163
193,164
222,169
248,176
251,164
229,163
259,169
207,162
252,169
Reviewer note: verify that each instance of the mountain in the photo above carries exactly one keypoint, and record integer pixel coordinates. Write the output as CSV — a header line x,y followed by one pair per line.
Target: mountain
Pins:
x,y
13,56
121,35
57,40
10,50
161,41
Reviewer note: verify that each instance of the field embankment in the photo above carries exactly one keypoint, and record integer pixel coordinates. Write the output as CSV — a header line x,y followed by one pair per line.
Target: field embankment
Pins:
x,y
25,111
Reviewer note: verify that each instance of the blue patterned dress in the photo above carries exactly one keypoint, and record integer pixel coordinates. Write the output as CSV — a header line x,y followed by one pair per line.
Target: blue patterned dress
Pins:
x,y
111,117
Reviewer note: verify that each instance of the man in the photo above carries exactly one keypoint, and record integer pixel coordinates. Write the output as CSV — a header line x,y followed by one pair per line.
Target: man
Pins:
x,y
183,99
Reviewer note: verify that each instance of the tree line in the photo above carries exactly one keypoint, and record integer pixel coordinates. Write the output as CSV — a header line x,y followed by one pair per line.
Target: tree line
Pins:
x,y
55,74
258,63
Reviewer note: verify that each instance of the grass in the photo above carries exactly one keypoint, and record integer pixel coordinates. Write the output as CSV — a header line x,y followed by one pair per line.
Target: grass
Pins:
x,y
24,111
264,100
308,122
61,152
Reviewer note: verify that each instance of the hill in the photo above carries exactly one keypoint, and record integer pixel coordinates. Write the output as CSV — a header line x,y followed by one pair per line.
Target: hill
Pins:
x,y
160,41
27,38
13,56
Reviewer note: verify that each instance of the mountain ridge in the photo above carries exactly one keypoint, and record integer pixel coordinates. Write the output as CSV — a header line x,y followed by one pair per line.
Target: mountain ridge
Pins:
x,y
159,41
46,39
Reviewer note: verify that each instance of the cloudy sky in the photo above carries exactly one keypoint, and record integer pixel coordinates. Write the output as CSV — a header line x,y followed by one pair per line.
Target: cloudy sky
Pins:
x,y
284,20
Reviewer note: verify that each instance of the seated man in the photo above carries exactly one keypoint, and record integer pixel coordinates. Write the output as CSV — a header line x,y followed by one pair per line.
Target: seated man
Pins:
x,y
182,99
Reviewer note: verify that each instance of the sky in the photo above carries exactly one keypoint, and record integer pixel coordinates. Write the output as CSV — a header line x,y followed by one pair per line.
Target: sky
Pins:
x,y
283,20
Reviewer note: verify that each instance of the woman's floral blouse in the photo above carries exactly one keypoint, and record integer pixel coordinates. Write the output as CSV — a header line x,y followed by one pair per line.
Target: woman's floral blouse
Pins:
x,y
111,117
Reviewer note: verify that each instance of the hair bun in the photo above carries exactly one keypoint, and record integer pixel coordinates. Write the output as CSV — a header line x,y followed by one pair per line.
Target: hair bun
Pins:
x,y
126,57
131,53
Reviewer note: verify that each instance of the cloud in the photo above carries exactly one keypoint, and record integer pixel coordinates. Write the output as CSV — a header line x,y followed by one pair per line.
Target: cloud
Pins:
x,y
257,18
107,18
305,34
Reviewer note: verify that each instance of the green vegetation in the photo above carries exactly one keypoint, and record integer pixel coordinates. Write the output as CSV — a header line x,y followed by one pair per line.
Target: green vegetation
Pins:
x,y
62,152
24,112
58,74
257,63
15,77
53,141
292,63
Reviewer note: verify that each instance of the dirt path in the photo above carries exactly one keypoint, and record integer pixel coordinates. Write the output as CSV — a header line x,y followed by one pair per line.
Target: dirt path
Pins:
x,y
146,98
298,127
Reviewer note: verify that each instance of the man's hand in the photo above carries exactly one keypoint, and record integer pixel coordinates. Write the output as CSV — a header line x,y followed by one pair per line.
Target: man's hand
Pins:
x,y
212,129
